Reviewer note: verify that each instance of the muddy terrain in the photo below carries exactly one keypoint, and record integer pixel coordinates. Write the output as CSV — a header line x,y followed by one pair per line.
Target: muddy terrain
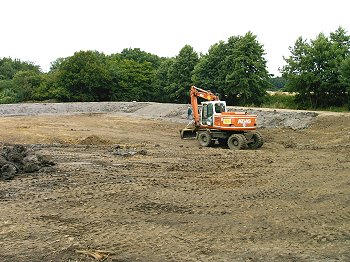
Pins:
x,y
118,184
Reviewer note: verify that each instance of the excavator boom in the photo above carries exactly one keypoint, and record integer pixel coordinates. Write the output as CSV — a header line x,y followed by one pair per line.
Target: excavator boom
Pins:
x,y
198,92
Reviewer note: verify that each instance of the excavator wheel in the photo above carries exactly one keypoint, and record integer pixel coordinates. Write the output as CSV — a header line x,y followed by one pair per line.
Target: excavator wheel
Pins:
x,y
258,141
205,138
237,141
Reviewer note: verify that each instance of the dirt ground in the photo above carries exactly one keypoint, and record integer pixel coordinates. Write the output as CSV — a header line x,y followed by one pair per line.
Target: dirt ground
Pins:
x,y
127,188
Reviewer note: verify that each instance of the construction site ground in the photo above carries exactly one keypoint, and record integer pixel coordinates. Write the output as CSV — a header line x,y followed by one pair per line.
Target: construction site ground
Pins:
x,y
125,187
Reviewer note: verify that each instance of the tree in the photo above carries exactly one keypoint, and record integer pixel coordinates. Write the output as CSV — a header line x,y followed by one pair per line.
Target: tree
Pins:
x,y
55,65
163,80
25,82
278,82
9,67
140,56
85,76
236,69
345,76
17,80
314,70
181,74
210,72
134,80
247,77
7,93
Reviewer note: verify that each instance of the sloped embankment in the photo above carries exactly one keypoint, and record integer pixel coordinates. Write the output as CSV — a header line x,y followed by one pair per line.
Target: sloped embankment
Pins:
x,y
267,118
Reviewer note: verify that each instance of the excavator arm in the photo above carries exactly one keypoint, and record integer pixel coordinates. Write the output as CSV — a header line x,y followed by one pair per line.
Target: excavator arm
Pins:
x,y
196,92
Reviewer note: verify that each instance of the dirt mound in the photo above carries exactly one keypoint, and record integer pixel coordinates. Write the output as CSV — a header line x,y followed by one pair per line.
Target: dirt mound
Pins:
x,y
94,140
17,159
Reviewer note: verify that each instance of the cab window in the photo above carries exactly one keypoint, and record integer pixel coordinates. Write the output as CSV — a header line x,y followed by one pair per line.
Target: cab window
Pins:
x,y
219,108
204,113
210,110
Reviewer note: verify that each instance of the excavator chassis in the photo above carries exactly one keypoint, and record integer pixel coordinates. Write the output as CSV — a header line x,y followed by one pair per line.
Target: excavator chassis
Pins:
x,y
234,140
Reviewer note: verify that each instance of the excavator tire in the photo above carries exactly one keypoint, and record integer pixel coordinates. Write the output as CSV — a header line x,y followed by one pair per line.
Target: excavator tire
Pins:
x,y
237,141
258,141
205,138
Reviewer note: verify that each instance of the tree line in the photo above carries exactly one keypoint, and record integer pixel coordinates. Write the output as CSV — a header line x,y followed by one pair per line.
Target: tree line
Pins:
x,y
317,70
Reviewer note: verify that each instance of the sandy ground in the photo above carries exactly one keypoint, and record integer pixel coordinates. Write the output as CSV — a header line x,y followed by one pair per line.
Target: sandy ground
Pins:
x,y
172,200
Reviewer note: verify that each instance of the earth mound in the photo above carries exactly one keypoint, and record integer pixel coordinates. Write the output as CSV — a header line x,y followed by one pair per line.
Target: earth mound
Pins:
x,y
94,140
18,159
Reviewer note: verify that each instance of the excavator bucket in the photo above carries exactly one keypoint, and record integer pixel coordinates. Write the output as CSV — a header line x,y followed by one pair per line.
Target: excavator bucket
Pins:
x,y
188,133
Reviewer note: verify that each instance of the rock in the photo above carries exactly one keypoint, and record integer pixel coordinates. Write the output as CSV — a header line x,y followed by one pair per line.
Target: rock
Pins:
x,y
3,161
31,164
8,171
44,161
129,152
19,159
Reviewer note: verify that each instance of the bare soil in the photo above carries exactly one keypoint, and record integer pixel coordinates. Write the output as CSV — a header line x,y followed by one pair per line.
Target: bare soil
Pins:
x,y
127,188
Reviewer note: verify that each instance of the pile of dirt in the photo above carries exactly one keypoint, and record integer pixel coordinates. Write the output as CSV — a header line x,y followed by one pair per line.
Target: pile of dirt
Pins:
x,y
94,140
18,159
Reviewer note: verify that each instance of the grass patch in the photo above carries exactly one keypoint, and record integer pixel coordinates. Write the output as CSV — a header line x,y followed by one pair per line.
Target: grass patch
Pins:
x,y
285,101
281,101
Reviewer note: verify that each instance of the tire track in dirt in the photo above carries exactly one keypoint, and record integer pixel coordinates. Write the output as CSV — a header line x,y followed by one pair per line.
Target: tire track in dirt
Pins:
x,y
180,202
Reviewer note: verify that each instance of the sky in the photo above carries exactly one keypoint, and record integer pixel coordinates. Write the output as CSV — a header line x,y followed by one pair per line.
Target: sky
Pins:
x,y
41,31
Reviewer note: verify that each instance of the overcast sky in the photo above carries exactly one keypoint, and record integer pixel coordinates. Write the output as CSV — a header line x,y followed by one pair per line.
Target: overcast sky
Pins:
x,y
43,30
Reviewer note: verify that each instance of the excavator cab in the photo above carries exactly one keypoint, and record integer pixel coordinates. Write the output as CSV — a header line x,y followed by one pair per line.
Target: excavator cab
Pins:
x,y
210,109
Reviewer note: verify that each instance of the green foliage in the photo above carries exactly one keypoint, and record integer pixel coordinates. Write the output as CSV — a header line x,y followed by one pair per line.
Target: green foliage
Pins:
x,y
236,69
135,80
345,76
137,75
211,70
25,82
180,74
140,56
282,101
314,70
247,78
9,67
55,65
278,83
85,76
7,95
17,80
163,80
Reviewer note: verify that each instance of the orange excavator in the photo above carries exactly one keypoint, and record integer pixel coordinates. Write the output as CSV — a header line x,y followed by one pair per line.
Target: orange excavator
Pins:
x,y
212,123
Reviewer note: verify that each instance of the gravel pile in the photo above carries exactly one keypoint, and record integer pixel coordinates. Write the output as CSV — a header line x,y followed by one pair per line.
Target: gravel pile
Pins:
x,y
270,118
18,159
267,118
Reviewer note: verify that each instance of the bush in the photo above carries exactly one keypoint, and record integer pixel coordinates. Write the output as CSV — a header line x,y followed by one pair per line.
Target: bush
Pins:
x,y
280,100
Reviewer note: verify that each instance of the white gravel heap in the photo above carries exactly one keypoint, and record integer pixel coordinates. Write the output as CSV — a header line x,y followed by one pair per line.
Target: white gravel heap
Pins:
x,y
174,112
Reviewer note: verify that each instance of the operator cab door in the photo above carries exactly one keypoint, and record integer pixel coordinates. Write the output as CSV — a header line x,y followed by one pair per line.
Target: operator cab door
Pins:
x,y
207,114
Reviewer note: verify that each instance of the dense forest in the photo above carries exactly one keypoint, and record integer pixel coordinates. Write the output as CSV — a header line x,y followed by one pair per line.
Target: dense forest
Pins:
x,y
317,70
